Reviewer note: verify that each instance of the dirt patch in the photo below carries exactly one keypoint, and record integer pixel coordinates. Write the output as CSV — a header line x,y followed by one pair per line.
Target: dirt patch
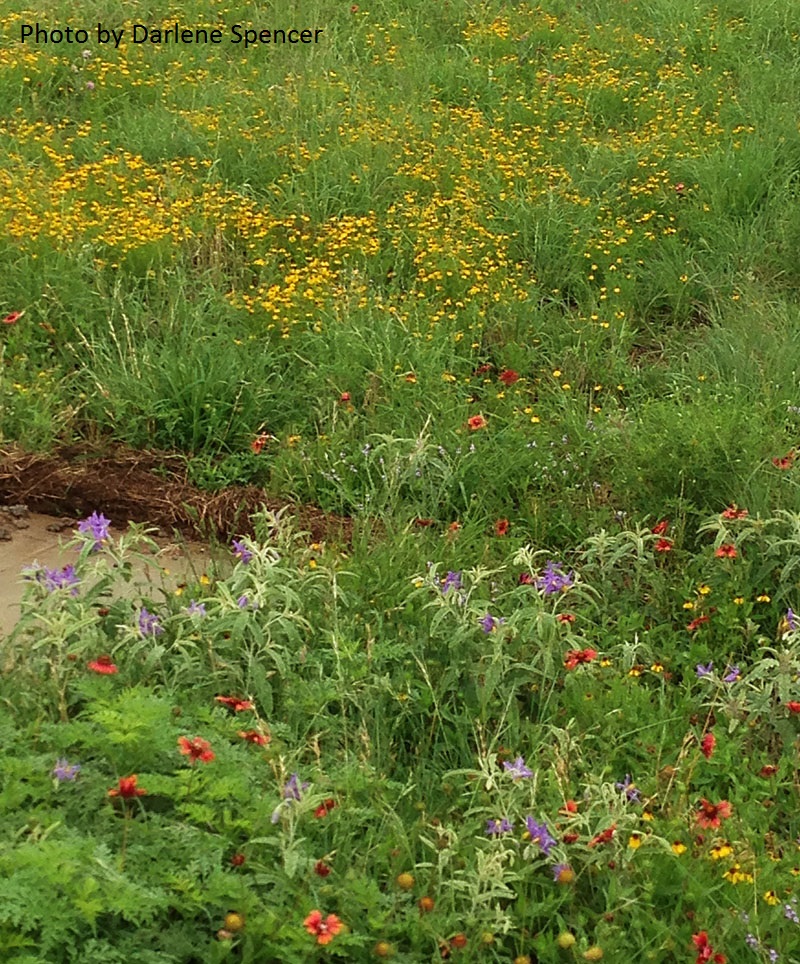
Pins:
x,y
152,487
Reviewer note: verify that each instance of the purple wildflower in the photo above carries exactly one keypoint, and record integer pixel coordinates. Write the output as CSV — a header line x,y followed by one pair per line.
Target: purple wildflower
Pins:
x,y
293,789
59,579
541,835
490,623
752,941
195,609
241,551
629,787
149,623
495,827
517,769
791,914
732,674
451,581
791,619
704,670
63,770
97,525
554,579
558,870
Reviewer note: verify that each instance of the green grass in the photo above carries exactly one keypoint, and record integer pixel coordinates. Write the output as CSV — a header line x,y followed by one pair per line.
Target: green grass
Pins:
x,y
465,265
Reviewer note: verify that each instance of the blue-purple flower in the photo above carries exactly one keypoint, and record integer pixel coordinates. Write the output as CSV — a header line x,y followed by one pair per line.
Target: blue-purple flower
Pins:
x,y
791,620
704,670
65,771
541,835
495,827
631,792
241,551
96,525
451,581
293,789
517,769
732,674
195,609
54,579
489,623
554,579
149,623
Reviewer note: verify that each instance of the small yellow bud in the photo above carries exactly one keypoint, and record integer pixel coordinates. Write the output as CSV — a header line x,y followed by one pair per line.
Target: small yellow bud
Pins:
x,y
565,940
405,881
234,922
593,954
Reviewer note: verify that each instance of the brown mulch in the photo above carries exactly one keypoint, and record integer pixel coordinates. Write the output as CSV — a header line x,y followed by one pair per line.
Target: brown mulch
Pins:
x,y
152,487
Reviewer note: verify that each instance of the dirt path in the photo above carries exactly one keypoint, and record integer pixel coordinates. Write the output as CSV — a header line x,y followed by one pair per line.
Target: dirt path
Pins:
x,y
27,537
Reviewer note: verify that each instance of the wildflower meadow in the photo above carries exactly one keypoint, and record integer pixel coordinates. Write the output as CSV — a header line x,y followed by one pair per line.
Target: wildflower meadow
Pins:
x,y
509,295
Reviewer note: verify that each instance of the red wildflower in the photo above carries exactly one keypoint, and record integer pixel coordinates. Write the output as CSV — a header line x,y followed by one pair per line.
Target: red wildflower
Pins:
x,y
258,443
509,376
575,657
680,187
705,952
253,736
482,369
604,836
707,745
501,527
321,869
458,941
423,523
344,397
237,860
710,814
127,788
566,617
525,579
663,545
103,665
660,527
571,806
793,706
324,930
786,462
476,422
768,771
13,318
726,551
197,749
693,625
325,808
733,513
236,704
569,838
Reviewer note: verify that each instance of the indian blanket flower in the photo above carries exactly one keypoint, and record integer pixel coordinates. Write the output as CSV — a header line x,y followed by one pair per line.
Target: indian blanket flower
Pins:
x,y
508,376
196,749
13,317
235,703
541,835
253,736
476,422
707,745
710,814
103,665
495,827
732,512
631,791
325,808
127,789
726,551
149,623
517,769
663,545
501,527
64,771
705,952
578,657
793,706
697,623
786,462
324,929
554,579
97,526
605,836
240,550
660,527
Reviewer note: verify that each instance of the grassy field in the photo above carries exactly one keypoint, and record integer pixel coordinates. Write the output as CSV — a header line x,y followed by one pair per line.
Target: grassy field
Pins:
x,y
516,289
